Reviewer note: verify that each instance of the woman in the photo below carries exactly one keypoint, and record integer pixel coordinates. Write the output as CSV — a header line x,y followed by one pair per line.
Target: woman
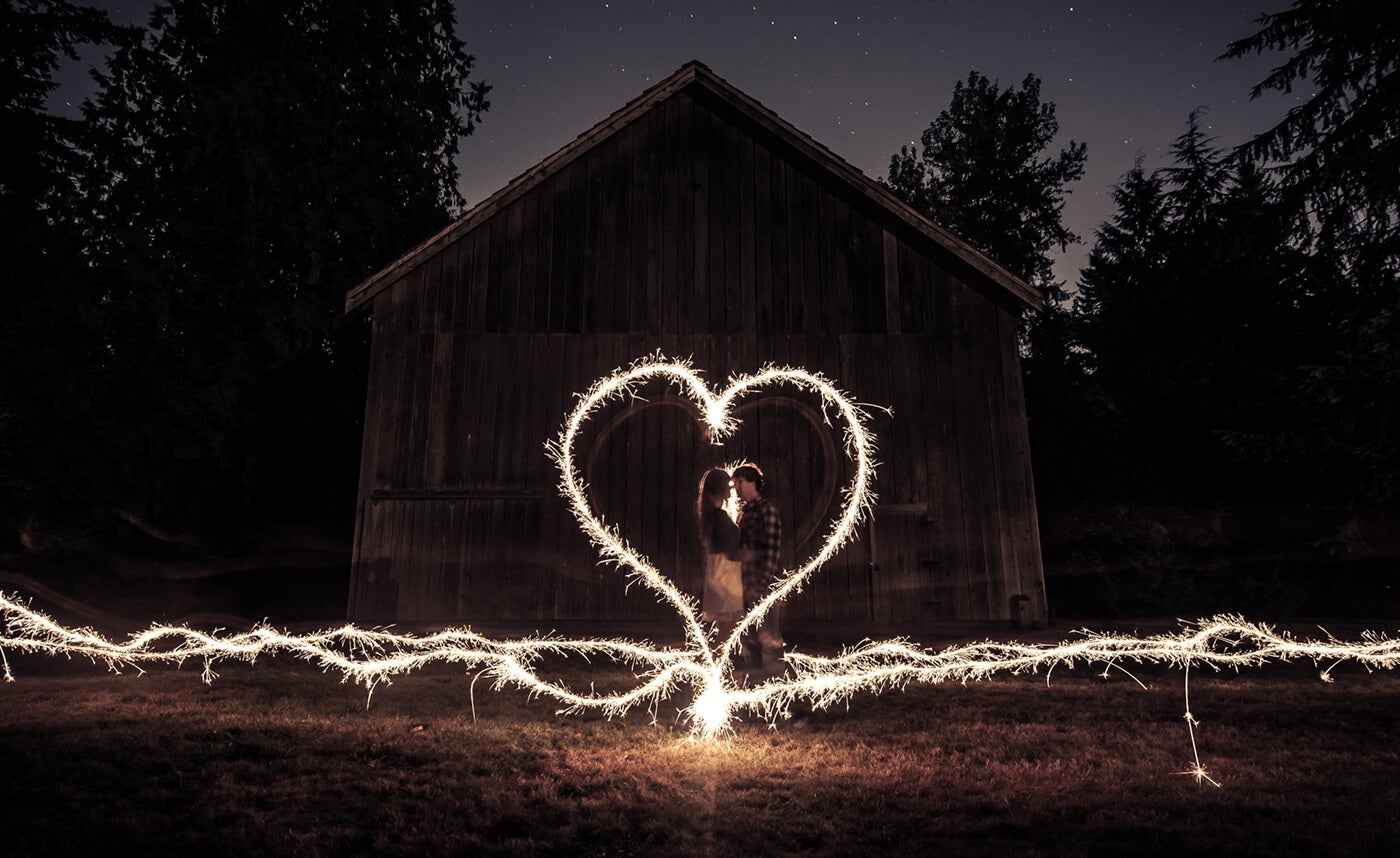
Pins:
x,y
723,602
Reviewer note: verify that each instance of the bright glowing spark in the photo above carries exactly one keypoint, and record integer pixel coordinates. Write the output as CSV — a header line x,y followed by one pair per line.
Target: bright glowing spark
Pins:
x,y
370,657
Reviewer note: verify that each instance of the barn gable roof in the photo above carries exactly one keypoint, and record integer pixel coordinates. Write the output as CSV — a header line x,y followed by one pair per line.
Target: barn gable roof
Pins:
x,y
696,78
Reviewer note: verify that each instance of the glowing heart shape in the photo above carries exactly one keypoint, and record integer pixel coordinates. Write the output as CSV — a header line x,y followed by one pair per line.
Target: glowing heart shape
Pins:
x,y
714,409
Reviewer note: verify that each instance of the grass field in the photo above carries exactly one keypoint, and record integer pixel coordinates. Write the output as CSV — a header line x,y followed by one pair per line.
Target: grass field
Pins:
x,y
278,758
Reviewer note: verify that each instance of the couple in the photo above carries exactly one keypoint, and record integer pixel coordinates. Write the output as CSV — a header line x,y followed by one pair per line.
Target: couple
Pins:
x,y
741,561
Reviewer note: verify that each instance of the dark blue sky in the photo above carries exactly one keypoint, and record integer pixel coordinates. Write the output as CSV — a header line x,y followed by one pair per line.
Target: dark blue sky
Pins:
x,y
862,78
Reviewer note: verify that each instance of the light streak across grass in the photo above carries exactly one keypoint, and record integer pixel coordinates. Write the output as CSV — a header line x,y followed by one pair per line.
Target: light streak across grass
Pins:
x,y
371,657
703,663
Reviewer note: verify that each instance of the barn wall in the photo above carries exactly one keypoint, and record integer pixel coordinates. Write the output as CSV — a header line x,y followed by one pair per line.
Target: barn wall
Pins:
x,y
685,233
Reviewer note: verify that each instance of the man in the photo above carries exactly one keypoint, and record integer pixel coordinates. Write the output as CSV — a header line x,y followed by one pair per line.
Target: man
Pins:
x,y
760,537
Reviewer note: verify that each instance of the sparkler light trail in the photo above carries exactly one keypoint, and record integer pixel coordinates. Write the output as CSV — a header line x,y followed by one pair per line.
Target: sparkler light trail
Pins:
x,y
369,657
702,663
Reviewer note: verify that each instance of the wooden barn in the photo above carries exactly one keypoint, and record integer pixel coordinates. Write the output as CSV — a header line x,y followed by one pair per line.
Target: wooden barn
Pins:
x,y
697,223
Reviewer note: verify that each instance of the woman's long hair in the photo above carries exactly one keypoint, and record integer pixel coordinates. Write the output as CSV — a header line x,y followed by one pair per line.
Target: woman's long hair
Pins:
x,y
715,484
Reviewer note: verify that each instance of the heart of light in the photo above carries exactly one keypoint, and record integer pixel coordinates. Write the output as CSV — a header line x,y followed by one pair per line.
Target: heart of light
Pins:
x,y
712,674
371,657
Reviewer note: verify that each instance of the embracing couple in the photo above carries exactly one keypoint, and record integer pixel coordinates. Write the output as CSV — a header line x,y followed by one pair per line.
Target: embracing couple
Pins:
x,y
741,561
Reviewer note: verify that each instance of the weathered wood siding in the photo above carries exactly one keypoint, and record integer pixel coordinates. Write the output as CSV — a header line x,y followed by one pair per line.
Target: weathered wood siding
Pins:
x,y
691,233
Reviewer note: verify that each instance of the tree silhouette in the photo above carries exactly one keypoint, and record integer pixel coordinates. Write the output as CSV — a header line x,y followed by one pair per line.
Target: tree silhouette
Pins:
x,y
1338,154
983,174
1193,314
47,330
249,161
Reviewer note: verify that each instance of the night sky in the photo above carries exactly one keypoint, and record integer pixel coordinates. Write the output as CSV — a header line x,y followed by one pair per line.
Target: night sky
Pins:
x,y
864,78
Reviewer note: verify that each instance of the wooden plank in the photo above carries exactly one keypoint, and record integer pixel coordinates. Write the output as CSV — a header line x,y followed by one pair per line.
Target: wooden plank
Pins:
x,y
453,571
444,593
972,452
1027,522
435,454
840,314
570,200
632,259
557,209
982,333
526,245
378,392
723,217
704,303
798,234
914,310
622,279
480,241
816,247
538,423
500,304
443,370
674,183
508,251
408,449
685,297
611,300
890,274
590,230
1008,481
915,403
409,560
461,536
946,477
510,379
521,442
576,556
780,217
872,273
1024,525
765,229
544,256
398,367
655,207
727,215
449,289
420,433
492,390
744,279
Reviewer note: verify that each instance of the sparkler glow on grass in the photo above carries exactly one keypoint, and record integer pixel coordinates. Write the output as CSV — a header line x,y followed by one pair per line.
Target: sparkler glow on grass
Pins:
x,y
720,695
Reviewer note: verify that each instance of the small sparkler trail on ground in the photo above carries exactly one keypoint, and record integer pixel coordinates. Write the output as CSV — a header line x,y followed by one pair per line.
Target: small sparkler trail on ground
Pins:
x,y
720,693
370,657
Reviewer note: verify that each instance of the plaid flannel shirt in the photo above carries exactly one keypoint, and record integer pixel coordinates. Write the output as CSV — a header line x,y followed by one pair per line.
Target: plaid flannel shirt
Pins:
x,y
761,529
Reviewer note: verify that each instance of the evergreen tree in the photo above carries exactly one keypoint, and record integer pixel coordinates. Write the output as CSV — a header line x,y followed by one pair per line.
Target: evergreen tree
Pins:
x,y
1190,310
983,174
1339,155
251,160
46,330
1116,313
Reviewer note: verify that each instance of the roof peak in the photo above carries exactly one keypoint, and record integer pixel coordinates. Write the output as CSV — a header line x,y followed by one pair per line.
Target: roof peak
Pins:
x,y
690,73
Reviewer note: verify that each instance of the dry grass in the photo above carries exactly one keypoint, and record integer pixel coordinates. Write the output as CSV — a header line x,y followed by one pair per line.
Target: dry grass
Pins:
x,y
279,759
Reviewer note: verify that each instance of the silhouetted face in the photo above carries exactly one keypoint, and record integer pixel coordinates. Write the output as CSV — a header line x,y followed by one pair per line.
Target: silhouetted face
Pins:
x,y
747,489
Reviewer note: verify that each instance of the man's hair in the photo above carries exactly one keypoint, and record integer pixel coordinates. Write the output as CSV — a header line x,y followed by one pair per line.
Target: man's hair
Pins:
x,y
751,472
